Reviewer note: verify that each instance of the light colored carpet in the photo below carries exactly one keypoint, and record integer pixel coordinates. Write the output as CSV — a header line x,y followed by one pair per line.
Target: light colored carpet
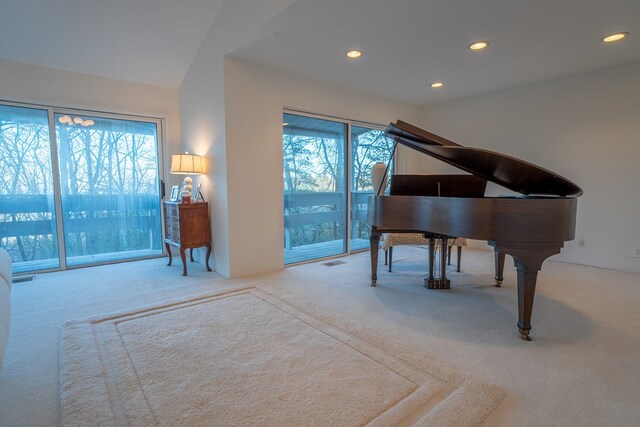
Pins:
x,y
581,369
248,357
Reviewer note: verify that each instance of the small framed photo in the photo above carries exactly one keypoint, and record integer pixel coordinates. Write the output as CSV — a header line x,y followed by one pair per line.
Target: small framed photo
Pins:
x,y
175,193
198,193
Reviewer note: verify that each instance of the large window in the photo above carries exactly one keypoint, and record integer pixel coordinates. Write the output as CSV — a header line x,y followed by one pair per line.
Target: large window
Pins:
x,y
110,190
314,188
77,188
324,162
27,208
368,146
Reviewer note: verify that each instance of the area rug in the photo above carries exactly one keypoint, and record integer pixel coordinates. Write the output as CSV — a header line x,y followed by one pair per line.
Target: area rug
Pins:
x,y
249,357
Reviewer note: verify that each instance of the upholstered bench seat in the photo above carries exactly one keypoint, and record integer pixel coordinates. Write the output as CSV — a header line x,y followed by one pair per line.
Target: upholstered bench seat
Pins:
x,y
389,240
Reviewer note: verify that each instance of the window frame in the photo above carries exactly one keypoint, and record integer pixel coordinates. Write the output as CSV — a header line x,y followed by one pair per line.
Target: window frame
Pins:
x,y
52,110
348,173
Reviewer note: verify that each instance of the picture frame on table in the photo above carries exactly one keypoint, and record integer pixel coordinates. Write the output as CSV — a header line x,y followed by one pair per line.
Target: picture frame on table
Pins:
x,y
175,193
198,193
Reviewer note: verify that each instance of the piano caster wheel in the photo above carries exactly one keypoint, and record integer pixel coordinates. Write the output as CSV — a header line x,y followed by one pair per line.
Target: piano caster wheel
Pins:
x,y
373,283
524,335
498,283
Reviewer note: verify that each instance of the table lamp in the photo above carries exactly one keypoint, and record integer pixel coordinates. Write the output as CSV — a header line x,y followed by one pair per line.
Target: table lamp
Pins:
x,y
187,164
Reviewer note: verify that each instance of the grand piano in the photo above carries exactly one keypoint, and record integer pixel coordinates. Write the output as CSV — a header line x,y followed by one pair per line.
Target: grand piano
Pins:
x,y
530,226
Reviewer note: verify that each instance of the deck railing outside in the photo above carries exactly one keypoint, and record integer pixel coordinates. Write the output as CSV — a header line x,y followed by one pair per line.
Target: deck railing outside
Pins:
x,y
314,224
116,224
93,225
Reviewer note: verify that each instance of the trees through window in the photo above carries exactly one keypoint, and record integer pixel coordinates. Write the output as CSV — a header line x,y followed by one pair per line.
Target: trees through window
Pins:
x,y
327,180
99,176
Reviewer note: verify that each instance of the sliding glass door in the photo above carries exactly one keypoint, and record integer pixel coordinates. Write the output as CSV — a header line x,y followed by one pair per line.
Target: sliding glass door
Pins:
x,y
315,196
324,161
27,210
368,146
77,188
110,188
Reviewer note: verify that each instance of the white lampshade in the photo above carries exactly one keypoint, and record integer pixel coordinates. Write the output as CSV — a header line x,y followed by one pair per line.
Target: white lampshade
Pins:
x,y
187,164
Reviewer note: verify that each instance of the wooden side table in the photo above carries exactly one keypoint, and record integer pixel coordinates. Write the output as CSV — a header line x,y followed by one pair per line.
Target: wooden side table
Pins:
x,y
186,226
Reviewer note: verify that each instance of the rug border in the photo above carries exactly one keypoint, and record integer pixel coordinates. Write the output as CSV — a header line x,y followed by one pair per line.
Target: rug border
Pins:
x,y
486,396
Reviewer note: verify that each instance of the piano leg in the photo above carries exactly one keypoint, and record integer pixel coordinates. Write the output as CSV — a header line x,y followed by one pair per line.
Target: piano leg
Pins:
x,y
374,241
430,281
527,278
528,259
444,282
499,260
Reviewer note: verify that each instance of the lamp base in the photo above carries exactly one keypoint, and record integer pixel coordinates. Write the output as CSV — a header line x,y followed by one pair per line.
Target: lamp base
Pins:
x,y
186,189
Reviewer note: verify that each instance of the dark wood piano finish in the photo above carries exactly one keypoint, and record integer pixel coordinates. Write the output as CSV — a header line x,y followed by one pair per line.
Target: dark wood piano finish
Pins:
x,y
530,229
441,186
509,172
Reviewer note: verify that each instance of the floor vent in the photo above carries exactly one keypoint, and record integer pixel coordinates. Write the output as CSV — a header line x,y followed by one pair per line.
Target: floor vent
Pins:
x,y
22,279
332,263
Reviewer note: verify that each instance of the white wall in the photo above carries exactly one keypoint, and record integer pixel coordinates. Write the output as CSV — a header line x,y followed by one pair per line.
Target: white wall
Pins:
x,y
203,133
47,86
203,109
254,100
586,128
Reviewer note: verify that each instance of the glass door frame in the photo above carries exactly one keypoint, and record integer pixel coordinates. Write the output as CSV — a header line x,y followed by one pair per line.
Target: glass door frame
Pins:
x,y
55,167
372,126
347,178
347,173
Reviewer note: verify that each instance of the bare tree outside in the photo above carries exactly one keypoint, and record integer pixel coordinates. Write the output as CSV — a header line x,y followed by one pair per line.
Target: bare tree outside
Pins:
x,y
27,219
368,146
108,175
315,168
109,184
314,184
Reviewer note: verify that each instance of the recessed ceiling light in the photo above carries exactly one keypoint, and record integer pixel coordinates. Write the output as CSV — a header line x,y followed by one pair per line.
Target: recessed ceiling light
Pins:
x,y
614,37
436,85
479,45
354,54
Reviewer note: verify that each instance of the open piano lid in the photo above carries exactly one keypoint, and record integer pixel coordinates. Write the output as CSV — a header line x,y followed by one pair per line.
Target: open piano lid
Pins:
x,y
514,174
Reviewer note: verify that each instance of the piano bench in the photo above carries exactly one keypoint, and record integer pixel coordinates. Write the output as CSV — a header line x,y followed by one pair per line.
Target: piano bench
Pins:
x,y
389,240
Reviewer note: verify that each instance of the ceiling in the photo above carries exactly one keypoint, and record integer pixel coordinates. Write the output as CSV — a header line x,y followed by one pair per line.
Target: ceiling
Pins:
x,y
142,41
406,43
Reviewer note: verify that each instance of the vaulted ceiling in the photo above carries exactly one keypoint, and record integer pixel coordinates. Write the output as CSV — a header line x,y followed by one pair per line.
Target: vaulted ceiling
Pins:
x,y
406,43
142,41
